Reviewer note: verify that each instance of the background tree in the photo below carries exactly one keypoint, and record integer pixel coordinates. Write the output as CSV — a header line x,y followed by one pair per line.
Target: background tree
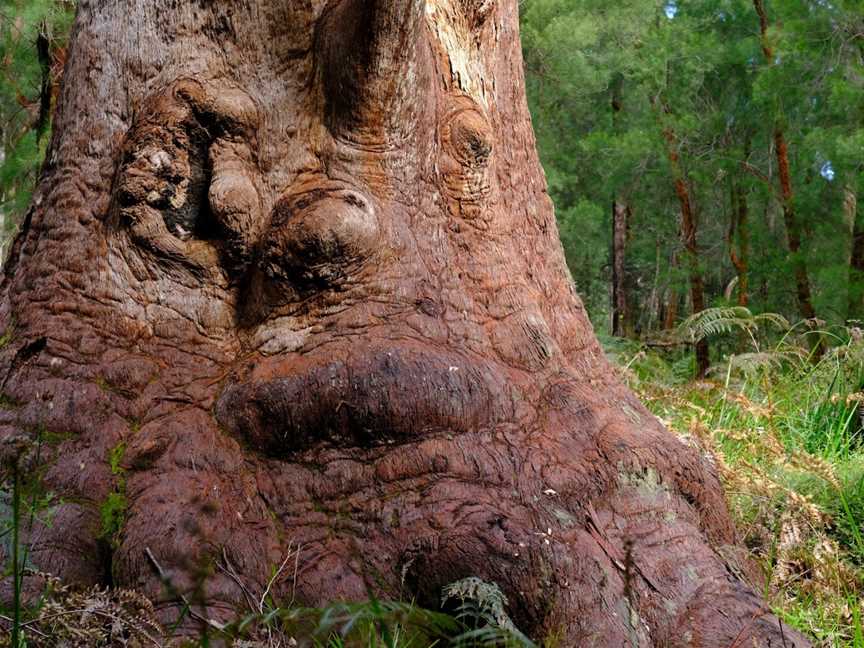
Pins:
x,y
705,59
32,53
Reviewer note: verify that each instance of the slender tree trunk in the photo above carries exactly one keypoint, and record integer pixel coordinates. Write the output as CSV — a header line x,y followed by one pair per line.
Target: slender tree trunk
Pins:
x,y
291,285
691,246
790,217
793,229
739,241
655,304
621,317
670,315
621,216
856,258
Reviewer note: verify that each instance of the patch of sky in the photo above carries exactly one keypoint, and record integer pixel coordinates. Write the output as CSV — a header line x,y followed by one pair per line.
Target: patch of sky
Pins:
x,y
671,9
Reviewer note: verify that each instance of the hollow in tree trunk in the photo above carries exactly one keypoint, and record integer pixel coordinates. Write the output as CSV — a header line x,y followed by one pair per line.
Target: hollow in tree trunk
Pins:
x,y
292,278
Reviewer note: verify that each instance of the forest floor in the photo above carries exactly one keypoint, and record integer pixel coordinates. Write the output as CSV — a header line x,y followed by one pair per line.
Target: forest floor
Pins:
x,y
787,437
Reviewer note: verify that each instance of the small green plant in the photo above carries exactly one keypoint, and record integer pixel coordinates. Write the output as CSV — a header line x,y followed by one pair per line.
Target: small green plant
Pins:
x,y
113,515
478,619
115,458
712,322
384,624
19,460
113,509
17,566
7,337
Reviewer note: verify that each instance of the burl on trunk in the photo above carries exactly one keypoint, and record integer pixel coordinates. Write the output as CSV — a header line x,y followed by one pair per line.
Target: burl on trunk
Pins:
x,y
292,278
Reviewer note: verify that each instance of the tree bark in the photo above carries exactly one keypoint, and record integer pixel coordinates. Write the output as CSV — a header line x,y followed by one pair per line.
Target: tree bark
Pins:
x,y
793,229
790,218
856,259
670,315
621,215
621,318
739,251
291,280
691,246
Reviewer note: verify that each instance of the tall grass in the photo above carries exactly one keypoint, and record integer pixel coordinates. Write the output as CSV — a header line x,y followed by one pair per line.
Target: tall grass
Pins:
x,y
787,436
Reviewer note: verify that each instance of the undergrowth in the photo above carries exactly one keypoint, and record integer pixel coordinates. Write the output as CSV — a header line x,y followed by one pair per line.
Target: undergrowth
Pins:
x,y
787,436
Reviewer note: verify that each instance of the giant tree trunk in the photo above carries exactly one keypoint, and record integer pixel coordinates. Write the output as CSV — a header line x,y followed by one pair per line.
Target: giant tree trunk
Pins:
x,y
292,279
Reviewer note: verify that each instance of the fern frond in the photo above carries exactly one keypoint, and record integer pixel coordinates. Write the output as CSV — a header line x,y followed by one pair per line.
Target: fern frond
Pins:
x,y
753,363
775,319
712,322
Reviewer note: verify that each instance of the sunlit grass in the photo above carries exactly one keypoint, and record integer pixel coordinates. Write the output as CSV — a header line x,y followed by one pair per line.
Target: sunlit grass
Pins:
x,y
787,436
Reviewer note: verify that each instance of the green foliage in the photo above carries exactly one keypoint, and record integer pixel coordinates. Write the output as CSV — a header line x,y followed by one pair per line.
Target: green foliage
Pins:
x,y
113,510
605,80
479,620
787,436
113,515
115,459
482,609
722,320
24,79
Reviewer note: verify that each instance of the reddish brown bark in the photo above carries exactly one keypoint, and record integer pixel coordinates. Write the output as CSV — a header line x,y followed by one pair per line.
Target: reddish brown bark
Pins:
x,y
739,242
790,218
621,316
295,266
767,49
793,229
691,246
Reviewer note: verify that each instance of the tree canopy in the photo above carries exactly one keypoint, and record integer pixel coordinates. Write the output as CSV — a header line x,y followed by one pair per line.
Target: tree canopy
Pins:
x,y
613,87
